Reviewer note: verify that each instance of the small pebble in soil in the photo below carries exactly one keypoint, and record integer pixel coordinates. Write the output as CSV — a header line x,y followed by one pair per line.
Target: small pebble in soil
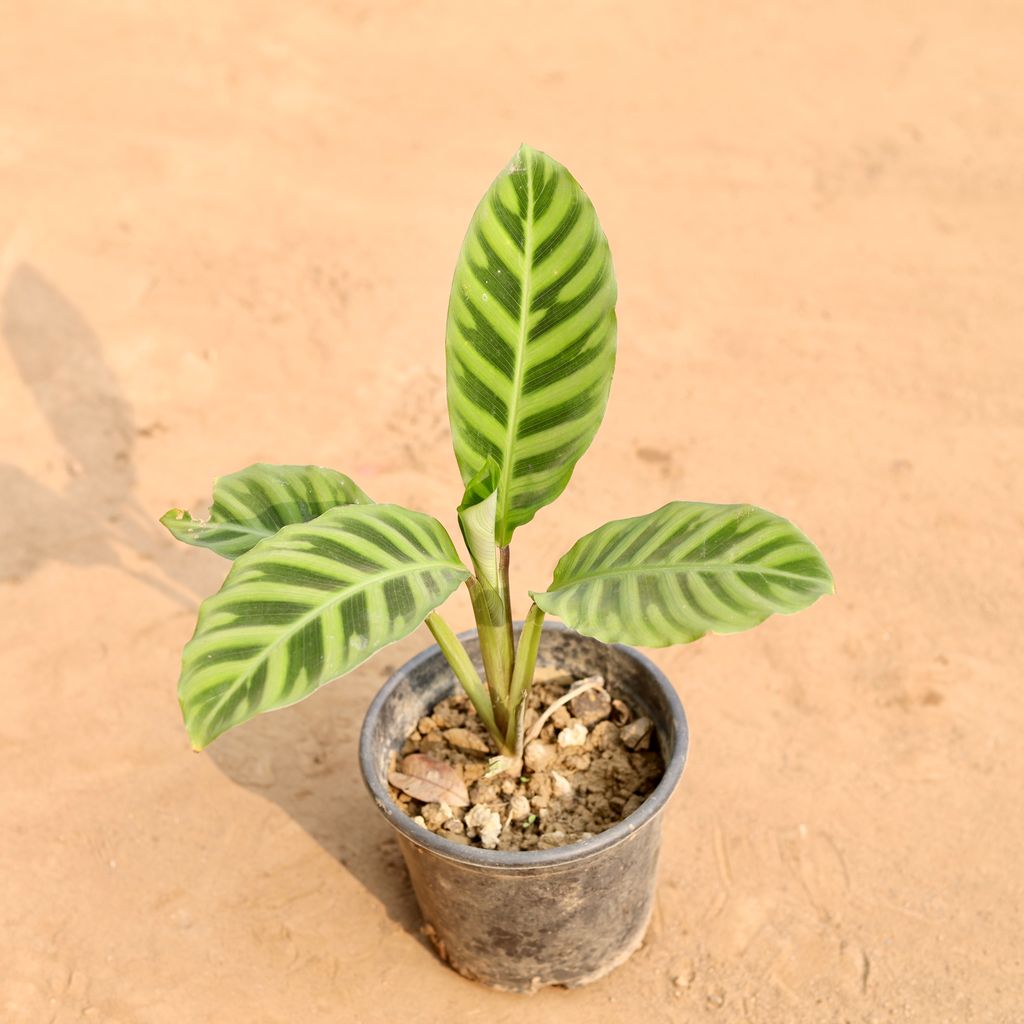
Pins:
x,y
637,735
518,807
486,824
605,736
560,785
620,712
435,815
574,734
539,755
591,706
468,742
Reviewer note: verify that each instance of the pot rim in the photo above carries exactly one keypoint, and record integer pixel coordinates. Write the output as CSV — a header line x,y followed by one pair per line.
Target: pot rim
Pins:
x,y
652,806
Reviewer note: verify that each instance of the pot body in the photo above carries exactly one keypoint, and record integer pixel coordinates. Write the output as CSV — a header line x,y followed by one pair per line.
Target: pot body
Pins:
x,y
521,920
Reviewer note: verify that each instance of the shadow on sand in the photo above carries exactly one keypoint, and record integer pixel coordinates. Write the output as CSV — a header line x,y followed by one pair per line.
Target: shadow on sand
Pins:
x,y
60,360
304,759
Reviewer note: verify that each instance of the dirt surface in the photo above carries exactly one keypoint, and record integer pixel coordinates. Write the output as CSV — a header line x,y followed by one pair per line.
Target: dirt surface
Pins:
x,y
581,771
226,234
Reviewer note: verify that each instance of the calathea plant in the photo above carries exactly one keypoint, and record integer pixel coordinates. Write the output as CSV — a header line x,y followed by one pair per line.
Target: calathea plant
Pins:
x,y
324,576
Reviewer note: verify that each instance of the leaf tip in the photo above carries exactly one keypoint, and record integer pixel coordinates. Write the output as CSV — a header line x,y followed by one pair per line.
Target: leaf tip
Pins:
x,y
521,157
175,515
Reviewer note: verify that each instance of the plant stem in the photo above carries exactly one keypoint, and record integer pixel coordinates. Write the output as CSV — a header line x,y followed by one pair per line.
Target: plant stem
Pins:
x,y
457,656
496,653
522,675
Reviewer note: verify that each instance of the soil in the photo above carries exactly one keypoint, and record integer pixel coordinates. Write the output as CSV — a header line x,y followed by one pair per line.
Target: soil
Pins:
x,y
227,233
592,764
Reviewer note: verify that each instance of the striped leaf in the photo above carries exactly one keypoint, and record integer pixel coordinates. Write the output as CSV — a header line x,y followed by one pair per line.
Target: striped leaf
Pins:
x,y
256,502
531,336
309,604
683,571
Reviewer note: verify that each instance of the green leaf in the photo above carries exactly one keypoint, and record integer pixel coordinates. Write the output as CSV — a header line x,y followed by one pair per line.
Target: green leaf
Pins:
x,y
309,604
531,336
256,502
683,571
477,515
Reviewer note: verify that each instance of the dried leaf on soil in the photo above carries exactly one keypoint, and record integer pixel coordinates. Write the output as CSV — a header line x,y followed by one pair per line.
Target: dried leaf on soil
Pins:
x,y
431,781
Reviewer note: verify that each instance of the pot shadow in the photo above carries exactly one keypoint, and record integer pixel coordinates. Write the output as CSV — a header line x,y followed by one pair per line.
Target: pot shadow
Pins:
x,y
93,513
306,760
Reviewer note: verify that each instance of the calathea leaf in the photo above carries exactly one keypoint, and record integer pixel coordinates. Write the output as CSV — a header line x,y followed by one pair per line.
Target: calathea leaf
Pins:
x,y
531,336
309,604
488,589
683,571
477,515
256,502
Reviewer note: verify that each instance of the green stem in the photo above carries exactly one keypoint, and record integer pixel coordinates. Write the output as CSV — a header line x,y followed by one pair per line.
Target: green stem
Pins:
x,y
522,675
457,656
496,654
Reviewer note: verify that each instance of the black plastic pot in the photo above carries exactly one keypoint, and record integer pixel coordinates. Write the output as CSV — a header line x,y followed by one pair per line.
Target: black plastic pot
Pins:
x,y
521,920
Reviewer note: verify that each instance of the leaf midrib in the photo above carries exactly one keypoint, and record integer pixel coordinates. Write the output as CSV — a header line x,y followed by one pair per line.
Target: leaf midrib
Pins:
x,y
685,567
511,427
227,524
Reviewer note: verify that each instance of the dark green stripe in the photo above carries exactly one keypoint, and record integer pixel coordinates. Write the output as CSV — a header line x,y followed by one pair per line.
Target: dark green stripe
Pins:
x,y
512,225
648,533
496,263
715,586
257,682
355,620
478,441
561,311
276,572
493,285
263,613
222,654
520,178
527,465
546,296
568,361
366,531
690,603
758,584
396,523
328,547
559,231
398,597
479,394
543,195
263,506
575,408
486,341
305,651
765,549
808,566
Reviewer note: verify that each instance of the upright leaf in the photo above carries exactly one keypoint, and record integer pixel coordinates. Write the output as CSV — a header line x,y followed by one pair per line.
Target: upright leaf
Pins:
x,y
477,519
488,589
309,604
683,571
256,502
531,336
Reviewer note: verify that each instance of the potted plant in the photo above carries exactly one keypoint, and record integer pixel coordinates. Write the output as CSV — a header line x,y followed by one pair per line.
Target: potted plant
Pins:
x,y
324,576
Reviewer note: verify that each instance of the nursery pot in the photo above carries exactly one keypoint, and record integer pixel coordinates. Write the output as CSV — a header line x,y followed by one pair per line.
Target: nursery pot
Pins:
x,y
522,920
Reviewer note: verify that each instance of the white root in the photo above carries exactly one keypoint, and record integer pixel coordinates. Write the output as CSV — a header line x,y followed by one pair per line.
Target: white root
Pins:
x,y
590,683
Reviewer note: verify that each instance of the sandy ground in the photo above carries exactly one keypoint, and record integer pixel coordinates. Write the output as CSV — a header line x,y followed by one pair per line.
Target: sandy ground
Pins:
x,y
226,235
